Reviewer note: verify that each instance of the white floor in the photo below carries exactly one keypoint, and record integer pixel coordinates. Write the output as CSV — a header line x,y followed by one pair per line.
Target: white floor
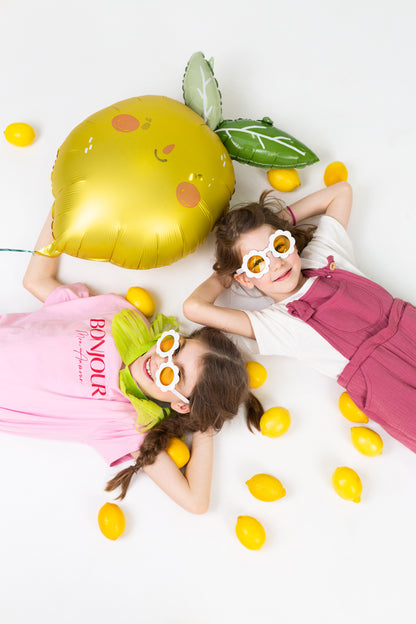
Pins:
x,y
340,77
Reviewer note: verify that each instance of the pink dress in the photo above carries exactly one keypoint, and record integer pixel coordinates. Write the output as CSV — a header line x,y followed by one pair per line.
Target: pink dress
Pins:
x,y
59,371
377,334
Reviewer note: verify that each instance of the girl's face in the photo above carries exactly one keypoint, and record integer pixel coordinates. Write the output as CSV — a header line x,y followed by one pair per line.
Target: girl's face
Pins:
x,y
187,358
284,277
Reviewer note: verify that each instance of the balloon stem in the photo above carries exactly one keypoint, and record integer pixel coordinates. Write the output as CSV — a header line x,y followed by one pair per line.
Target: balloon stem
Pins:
x,y
20,250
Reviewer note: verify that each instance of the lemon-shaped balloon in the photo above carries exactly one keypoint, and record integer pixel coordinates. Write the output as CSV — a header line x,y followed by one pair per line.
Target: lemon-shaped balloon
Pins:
x,y
347,484
140,184
142,300
265,487
257,374
349,409
111,521
250,532
178,451
367,441
20,134
275,422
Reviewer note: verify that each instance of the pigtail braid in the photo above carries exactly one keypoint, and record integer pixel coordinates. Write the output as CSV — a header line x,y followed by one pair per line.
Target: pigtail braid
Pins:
x,y
254,412
122,479
156,440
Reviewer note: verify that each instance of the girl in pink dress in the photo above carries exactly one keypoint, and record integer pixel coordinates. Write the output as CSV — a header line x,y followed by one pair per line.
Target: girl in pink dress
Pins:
x,y
92,369
321,308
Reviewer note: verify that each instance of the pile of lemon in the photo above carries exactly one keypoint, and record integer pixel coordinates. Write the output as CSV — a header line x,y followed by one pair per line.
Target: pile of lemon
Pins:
x,y
274,423
346,482
265,487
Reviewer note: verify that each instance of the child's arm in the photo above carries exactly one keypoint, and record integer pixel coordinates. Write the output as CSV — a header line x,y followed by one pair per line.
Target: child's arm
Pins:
x,y
334,201
40,277
192,489
200,307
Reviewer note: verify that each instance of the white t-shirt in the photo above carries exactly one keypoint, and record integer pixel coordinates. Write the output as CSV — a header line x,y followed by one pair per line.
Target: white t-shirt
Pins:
x,y
279,333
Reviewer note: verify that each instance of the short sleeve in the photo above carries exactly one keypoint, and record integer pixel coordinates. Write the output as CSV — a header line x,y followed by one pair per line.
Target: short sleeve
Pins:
x,y
117,449
330,238
67,292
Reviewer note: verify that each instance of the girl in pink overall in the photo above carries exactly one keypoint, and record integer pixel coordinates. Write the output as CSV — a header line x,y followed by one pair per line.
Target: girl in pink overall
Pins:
x,y
376,333
322,309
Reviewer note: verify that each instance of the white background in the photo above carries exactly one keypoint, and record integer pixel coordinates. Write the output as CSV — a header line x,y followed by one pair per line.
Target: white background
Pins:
x,y
340,77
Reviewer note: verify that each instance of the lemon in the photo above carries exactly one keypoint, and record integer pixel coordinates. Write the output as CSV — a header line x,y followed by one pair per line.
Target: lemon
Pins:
x,y
111,521
367,441
142,300
275,422
257,374
347,484
349,409
178,451
284,180
20,134
335,172
265,487
250,532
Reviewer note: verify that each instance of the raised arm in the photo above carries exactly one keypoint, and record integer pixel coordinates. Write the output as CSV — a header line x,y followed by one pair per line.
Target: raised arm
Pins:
x,y
200,307
40,277
334,201
192,489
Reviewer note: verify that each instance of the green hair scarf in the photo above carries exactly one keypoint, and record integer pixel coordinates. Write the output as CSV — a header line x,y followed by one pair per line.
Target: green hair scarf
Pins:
x,y
133,338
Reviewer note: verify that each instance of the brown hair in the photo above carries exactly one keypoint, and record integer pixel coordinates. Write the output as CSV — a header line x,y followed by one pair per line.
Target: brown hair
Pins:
x,y
216,398
247,217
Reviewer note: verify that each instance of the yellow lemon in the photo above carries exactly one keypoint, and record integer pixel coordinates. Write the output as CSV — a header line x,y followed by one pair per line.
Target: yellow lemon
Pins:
x,y
335,172
178,451
349,409
142,300
111,521
257,374
275,422
347,484
367,441
265,487
20,134
250,532
284,180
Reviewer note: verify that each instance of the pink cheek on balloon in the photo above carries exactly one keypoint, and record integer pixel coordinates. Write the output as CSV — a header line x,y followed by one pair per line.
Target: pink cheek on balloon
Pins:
x,y
187,195
125,123
168,149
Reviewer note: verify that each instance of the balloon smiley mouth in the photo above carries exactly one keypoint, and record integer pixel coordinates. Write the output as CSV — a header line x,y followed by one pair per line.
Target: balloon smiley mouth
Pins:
x,y
160,159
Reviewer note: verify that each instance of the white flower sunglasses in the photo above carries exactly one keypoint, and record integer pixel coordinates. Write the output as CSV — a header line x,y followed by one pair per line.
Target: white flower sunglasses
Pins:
x,y
256,263
167,375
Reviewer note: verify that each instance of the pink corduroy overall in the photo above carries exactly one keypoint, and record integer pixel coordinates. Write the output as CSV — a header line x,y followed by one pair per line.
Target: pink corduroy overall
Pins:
x,y
377,334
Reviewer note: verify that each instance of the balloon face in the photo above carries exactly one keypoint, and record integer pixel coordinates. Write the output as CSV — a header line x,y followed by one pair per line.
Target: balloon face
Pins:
x,y
140,184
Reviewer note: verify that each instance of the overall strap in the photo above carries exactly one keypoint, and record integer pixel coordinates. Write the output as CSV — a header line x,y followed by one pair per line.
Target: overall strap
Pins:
x,y
325,271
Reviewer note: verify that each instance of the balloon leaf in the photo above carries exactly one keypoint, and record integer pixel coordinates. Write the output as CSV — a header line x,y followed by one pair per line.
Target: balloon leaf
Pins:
x,y
261,144
200,89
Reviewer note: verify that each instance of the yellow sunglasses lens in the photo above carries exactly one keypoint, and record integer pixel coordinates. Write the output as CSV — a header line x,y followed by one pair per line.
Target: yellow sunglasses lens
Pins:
x,y
281,244
256,264
166,344
166,376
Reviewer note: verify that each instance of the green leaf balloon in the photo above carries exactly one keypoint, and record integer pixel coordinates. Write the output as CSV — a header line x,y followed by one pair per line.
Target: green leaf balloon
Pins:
x,y
200,90
256,143
260,144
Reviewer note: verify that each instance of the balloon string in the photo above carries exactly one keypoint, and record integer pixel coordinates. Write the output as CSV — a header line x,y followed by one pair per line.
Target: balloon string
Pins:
x,y
21,250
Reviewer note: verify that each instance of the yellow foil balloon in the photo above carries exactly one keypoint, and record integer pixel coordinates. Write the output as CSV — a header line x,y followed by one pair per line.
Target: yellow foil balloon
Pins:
x,y
140,184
